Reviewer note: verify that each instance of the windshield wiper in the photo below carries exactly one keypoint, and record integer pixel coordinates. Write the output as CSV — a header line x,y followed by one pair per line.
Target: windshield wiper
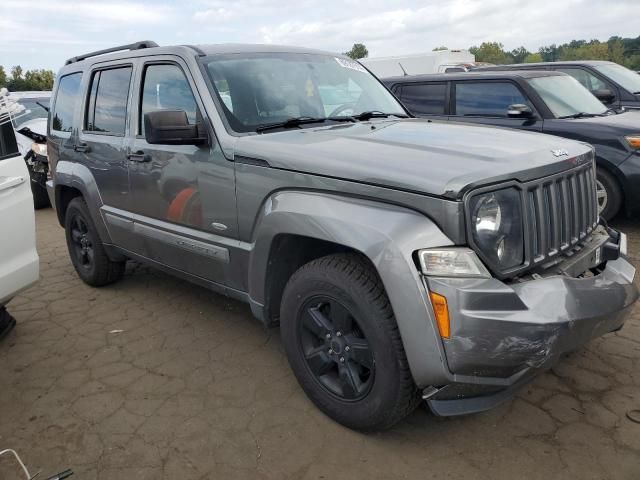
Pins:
x,y
44,107
581,115
293,122
376,114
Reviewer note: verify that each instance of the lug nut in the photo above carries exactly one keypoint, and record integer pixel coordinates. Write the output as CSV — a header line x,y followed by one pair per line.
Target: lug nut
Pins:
x,y
347,348
338,334
327,336
341,359
331,351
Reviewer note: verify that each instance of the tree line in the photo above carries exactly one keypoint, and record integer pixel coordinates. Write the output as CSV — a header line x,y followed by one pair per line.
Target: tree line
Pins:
x,y
625,51
19,81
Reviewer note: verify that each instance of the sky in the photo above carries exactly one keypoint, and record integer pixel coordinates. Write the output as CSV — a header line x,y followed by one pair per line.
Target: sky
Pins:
x,y
44,33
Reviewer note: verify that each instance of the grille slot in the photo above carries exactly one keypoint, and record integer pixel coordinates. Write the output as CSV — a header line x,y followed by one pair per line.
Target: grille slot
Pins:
x,y
562,211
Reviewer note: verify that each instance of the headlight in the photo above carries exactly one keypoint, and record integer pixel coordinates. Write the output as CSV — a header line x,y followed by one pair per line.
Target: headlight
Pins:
x,y
633,141
39,149
496,224
451,262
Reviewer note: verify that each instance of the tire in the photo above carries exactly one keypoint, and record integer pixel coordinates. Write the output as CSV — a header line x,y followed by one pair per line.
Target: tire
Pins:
x,y
608,186
381,391
86,250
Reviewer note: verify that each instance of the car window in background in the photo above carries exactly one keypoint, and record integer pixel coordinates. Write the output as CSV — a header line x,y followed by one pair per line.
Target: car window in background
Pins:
x,y
627,79
65,104
487,98
8,144
166,88
588,80
36,107
422,99
107,108
264,88
565,96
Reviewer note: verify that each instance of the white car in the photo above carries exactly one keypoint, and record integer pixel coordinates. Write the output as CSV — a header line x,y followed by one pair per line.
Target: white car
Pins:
x,y
31,134
19,263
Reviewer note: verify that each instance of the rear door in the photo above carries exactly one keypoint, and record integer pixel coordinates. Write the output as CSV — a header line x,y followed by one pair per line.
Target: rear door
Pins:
x,y
101,145
18,257
427,100
487,102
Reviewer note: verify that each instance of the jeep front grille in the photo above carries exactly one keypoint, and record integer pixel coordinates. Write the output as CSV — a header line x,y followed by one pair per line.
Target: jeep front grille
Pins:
x,y
561,211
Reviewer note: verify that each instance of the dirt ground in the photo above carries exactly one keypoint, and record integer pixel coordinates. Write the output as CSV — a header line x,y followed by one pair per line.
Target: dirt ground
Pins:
x,y
155,378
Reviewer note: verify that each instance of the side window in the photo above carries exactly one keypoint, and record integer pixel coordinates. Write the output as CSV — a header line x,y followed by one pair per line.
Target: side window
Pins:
x,y
427,98
8,144
491,99
107,106
65,104
166,88
587,79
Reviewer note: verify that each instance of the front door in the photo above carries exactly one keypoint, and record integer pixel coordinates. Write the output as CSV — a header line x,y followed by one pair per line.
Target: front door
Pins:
x,y
183,196
18,257
487,103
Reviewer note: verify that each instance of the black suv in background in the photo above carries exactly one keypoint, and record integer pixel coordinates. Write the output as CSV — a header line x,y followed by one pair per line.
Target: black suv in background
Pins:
x,y
539,101
614,85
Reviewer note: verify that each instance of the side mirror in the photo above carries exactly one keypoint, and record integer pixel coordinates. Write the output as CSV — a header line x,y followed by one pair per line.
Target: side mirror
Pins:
x,y
604,95
519,110
170,127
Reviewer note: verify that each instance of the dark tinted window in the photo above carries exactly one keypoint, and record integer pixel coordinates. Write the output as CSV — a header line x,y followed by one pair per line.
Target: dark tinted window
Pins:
x,y
166,88
8,145
107,107
424,98
67,96
487,99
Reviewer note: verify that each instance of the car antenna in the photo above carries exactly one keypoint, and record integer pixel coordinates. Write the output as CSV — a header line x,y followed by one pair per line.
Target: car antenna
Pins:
x,y
403,70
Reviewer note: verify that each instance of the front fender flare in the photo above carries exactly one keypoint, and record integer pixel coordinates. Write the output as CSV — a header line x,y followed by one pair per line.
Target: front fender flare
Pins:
x,y
387,235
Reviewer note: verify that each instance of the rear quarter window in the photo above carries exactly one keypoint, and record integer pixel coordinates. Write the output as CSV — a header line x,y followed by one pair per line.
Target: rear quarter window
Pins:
x,y
107,106
67,97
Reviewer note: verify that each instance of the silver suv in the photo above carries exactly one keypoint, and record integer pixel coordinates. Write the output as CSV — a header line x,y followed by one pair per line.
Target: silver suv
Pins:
x,y
403,259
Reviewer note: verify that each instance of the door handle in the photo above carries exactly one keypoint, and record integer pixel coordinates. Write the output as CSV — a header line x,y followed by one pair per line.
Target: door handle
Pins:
x,y
10,182
138,156
82,148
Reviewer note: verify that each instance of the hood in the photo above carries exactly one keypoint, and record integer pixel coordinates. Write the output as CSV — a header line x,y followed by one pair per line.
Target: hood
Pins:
x,y
36,125
436,158
621,123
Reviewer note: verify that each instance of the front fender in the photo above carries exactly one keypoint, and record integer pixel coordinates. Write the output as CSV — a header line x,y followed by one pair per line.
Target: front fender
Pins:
x,y
387,235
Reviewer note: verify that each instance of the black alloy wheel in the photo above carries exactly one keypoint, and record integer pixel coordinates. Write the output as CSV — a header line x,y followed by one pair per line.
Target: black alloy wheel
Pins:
x,y
335,349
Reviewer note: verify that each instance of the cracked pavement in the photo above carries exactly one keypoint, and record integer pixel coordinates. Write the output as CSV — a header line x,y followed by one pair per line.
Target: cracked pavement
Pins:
x,y
155,378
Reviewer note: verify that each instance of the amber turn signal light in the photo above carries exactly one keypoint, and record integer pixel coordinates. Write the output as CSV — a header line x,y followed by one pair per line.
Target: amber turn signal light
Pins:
x,y
441,311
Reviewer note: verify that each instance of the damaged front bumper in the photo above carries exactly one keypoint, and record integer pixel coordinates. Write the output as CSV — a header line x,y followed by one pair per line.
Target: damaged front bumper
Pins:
x,y
503,334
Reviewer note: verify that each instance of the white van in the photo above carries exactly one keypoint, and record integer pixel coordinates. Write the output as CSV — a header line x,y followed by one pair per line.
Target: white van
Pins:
x,y
19,263
439,61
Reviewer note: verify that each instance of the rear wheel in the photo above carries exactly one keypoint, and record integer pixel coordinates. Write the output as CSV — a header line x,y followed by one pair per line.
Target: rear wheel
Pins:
x,y
343,344
86,250
609,194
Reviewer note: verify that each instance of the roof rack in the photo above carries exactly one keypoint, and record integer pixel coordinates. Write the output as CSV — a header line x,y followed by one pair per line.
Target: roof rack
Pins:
x,y
130,46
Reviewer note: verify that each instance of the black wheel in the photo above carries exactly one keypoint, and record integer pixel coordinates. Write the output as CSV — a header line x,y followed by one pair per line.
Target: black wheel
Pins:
x,y
343,344
85,247
609,194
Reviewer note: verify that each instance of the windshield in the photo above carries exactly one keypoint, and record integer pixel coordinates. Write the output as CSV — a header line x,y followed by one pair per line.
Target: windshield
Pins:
x,y
627,79
36,110
565,96
260,89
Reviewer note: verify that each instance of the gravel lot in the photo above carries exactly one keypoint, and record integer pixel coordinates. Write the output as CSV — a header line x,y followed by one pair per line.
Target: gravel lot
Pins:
x,y
154,378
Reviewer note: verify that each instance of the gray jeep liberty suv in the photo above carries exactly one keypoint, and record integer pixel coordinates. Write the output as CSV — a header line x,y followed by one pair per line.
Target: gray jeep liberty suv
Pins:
x,y
402,258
